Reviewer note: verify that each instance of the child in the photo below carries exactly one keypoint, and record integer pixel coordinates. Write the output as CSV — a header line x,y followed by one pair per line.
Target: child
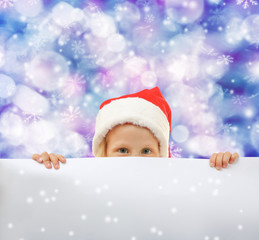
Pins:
x,y
137,124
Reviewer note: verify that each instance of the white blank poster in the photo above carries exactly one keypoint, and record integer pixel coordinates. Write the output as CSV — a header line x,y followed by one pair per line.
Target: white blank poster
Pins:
x,y
129,199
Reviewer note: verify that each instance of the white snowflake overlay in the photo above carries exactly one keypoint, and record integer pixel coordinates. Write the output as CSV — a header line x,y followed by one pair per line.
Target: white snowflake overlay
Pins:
x,y
225,59
246,3
78,48
217,16
149,18
143,3
209,52
227,128
239,99
70,114
75,83
6,3
175,151
31,117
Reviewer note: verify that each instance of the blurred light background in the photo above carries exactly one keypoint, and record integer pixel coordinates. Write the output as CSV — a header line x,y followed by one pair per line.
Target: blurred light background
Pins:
x,y
59,60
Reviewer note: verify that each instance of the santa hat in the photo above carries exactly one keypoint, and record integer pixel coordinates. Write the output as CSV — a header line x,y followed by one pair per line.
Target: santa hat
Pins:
x,y
147,108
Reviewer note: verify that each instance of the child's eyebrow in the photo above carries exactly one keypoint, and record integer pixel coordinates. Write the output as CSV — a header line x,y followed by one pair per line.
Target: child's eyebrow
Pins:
x,y
117,144
120,146
148,146
125,145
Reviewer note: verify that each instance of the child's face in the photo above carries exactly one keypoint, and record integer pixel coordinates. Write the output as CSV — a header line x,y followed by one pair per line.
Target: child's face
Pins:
x,y
130,140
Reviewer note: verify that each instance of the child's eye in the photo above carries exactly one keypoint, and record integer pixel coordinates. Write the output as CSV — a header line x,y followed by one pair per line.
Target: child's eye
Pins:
x,y
146,151
123,150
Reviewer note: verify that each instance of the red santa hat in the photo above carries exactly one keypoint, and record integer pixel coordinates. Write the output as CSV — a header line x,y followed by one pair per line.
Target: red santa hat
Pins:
x,y
147,108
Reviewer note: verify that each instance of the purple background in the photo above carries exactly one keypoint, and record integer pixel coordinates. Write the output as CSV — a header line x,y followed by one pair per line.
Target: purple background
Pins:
x,y
59,60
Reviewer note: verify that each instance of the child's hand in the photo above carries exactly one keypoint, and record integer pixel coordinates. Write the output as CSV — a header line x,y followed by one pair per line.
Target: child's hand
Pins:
x,y
48,158
221,159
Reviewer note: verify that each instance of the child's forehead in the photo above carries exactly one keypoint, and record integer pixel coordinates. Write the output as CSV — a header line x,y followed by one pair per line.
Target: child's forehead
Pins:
x,y
129,125
121,128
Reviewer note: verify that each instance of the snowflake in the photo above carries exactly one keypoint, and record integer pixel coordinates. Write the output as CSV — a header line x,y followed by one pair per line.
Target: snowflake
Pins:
x,y
225,59
33,2
55,98
216,16
239,99
6,3
91,60
67,28
71,114
227,128
77,79
245,3
63,39
31,116
175,151
149,18
144,3
209,52
75,83
92,6
78,48
94,9
71,28
38,42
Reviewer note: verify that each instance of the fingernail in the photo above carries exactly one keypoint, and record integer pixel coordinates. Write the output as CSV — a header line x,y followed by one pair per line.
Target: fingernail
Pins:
x,y
48,164
57,166
212,164
40,160
225,165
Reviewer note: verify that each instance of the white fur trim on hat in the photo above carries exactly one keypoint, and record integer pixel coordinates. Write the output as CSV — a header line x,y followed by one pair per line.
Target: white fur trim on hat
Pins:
x,y
137,111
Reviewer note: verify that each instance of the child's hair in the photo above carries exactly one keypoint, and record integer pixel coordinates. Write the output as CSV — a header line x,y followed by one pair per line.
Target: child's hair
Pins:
x,y
101,151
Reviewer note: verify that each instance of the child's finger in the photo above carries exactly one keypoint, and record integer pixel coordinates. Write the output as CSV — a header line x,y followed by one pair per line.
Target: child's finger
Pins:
x,y
219,160
226,158
54,160
213,160
233,158
46,160
37,158
61,158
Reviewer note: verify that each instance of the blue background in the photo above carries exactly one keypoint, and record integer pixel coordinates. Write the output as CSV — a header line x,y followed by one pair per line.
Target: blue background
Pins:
x,y
59,60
